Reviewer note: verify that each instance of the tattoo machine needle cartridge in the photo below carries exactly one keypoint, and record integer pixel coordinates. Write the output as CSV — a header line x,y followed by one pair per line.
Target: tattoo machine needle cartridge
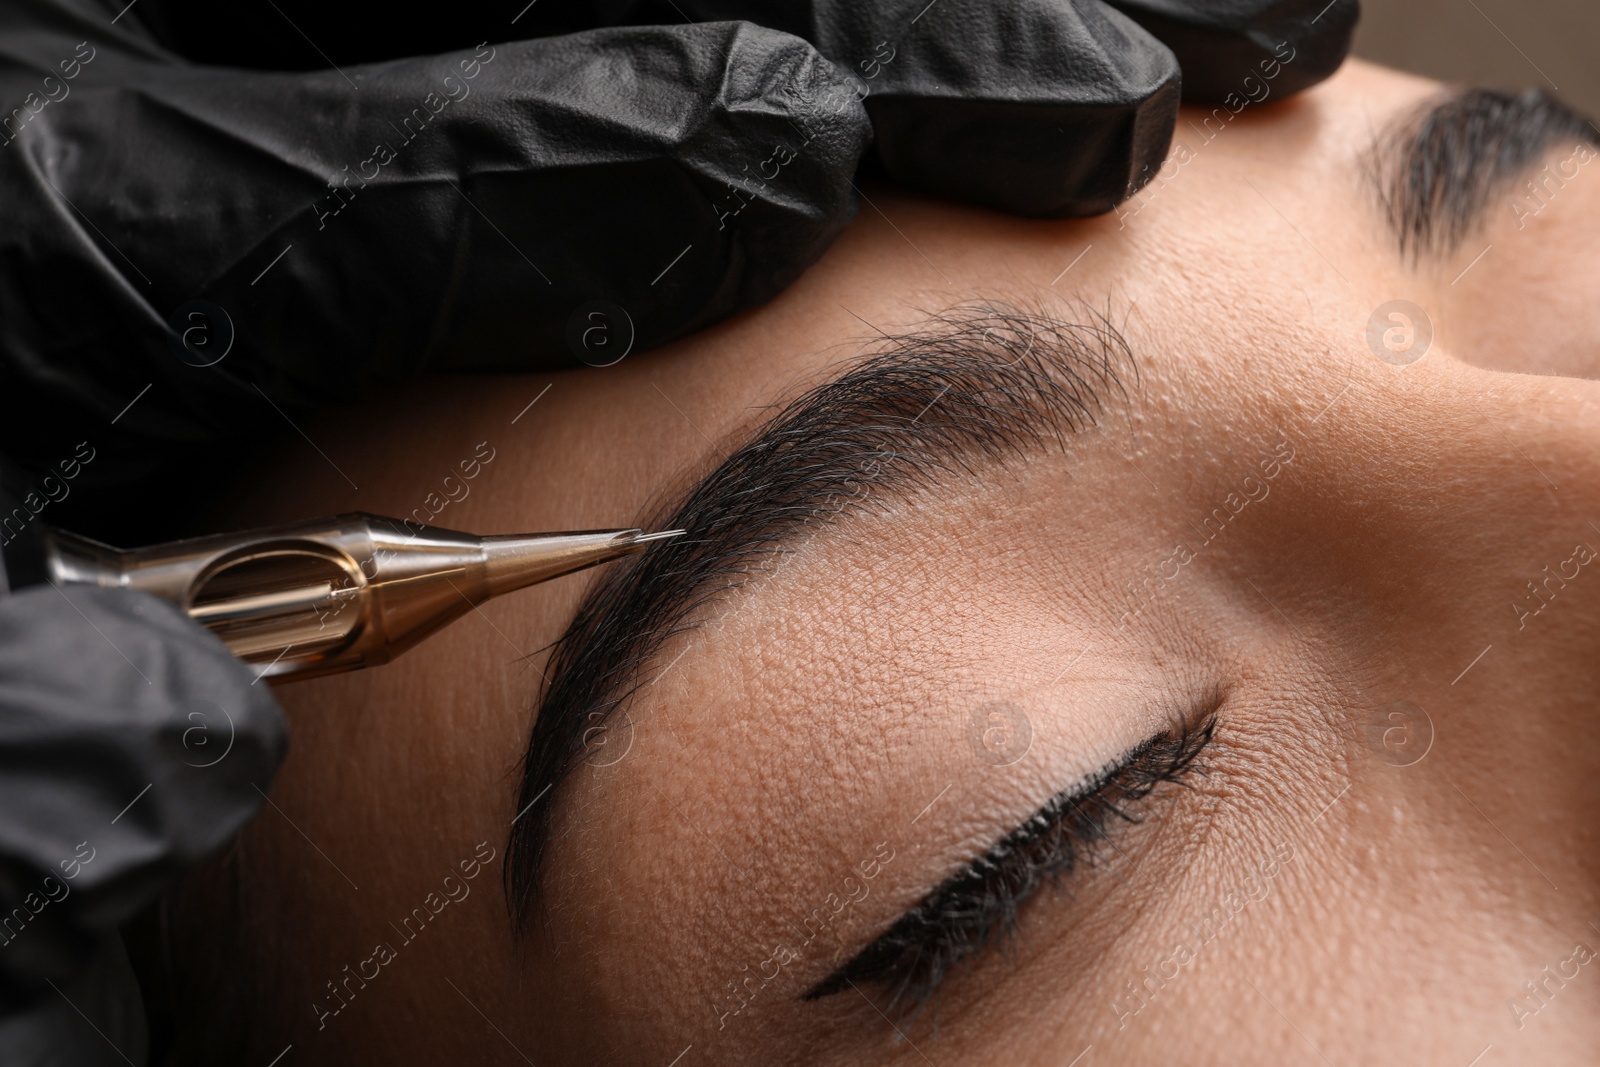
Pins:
x,y
331,594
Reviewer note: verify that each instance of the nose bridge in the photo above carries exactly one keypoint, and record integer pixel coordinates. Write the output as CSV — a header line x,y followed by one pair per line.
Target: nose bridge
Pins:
x,y
1421,501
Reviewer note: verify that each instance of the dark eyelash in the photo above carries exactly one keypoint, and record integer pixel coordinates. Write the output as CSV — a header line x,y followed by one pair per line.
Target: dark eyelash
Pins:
x,y
980,905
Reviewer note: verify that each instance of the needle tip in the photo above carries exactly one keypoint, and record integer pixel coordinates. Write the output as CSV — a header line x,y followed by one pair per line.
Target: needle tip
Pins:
x,y
660,536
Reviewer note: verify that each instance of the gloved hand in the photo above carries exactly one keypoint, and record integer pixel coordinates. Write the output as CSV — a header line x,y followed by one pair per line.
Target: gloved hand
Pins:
x,y
501,202
132,745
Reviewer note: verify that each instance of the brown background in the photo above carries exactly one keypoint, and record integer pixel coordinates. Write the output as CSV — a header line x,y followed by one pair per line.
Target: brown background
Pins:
x,y
1511,44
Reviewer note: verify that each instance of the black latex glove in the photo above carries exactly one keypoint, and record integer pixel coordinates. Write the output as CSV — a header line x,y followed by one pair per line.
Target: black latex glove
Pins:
x,y
676,172
1039,107
132,745
482,198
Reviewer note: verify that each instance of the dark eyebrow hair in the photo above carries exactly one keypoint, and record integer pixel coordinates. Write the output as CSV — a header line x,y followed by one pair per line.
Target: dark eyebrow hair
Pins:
x,y
968,389
1437,168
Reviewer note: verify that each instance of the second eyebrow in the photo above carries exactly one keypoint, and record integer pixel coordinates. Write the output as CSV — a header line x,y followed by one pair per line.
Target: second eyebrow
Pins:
x,y
1438,168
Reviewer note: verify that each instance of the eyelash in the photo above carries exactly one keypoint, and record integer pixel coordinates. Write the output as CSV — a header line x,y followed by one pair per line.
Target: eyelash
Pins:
x,y
980,905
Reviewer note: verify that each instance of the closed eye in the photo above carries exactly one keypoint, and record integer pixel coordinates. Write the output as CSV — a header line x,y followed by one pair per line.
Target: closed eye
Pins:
x,y
979,906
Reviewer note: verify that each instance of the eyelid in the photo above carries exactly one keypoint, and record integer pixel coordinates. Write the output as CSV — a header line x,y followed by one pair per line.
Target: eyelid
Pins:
x,y
979,905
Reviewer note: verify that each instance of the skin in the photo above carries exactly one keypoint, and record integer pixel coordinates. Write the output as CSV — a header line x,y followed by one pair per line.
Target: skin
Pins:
x,y
820,718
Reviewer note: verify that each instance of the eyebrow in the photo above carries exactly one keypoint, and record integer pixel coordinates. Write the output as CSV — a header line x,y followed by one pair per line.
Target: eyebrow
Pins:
x,y
966,390
1437,169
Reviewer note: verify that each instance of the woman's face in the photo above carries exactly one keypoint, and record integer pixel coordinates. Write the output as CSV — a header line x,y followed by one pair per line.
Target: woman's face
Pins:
x,y
1261,688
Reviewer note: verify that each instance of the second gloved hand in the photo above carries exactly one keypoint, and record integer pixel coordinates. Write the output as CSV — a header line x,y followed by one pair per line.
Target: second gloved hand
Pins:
x,y
133,744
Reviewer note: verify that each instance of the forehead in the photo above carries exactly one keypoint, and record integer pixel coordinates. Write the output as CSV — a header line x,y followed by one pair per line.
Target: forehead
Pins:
x,y
1255,224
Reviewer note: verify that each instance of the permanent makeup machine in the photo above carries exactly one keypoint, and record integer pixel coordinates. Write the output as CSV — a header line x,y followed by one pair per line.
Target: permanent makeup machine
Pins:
x,y
326,595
